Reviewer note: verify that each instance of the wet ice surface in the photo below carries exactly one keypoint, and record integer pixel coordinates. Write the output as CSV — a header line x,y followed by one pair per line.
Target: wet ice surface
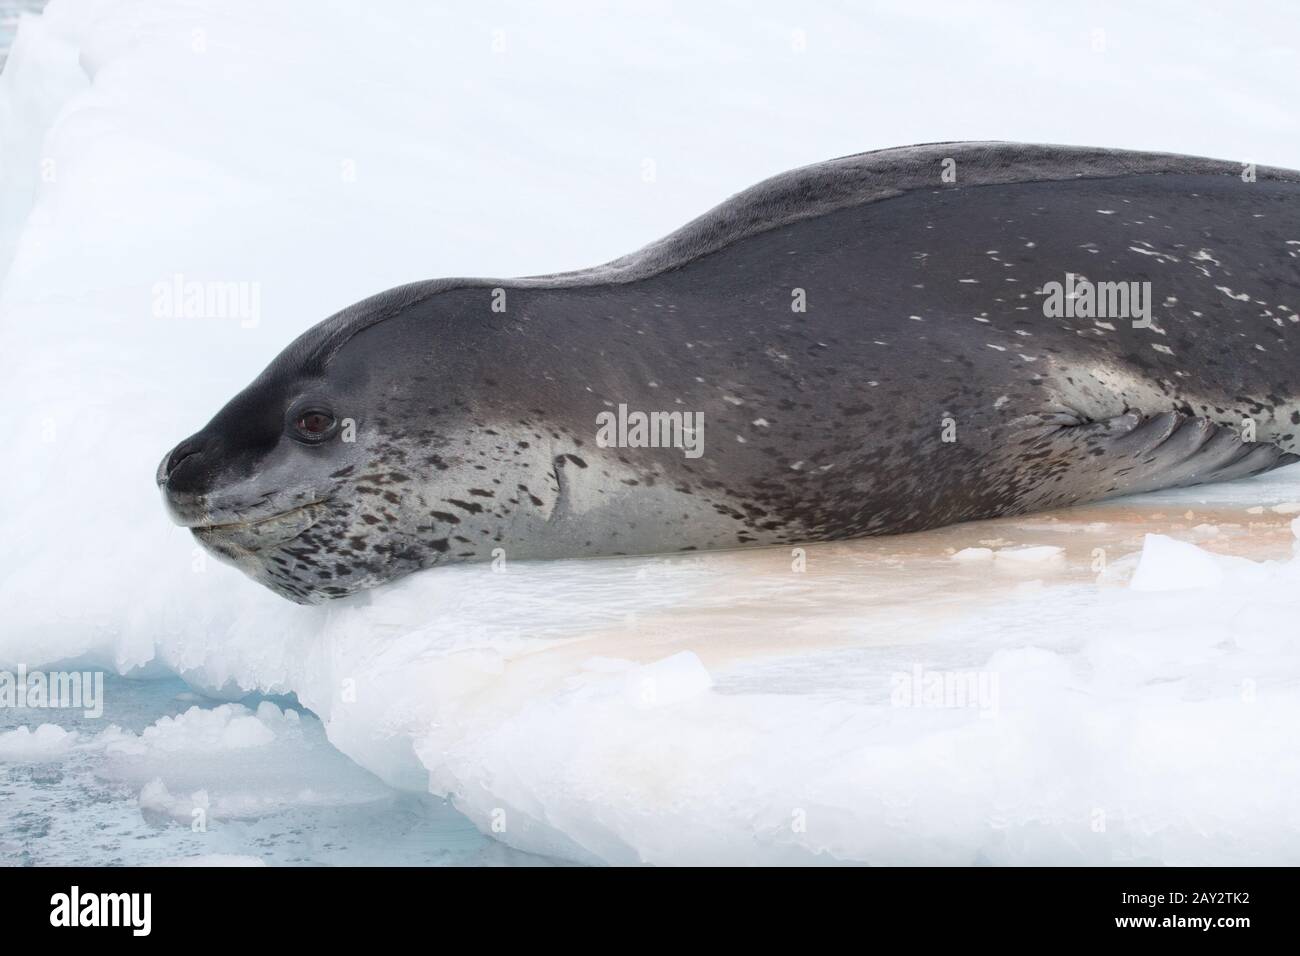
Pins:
x,y
905,590
120,790
758,716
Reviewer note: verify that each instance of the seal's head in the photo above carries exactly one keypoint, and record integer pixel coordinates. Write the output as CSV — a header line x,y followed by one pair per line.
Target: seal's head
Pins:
x,y
339,468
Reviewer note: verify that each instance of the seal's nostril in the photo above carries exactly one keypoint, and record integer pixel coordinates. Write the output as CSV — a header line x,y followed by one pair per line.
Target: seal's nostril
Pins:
x,y
178,457
178,454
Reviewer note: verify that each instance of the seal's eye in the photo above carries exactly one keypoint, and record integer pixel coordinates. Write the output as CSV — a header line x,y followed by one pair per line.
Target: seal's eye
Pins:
x,y
314,425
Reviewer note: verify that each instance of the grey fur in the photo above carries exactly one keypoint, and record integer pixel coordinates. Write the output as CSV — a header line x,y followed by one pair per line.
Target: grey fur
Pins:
x,y
812,191
476,428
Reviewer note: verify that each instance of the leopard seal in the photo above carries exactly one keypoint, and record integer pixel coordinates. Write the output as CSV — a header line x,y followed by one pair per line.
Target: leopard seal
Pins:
x,y
864,346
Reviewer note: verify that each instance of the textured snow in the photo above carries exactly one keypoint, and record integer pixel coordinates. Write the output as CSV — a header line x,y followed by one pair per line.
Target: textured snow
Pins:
x,y
1102,691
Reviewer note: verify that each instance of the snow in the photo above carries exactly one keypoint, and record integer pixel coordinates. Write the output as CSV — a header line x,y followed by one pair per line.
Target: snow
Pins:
x,y
1118,695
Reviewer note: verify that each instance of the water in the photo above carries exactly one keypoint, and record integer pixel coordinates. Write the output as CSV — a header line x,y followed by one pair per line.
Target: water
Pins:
x,y
83,806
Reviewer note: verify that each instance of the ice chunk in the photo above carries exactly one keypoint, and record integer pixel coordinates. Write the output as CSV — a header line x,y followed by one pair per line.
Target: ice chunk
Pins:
x,y
666,682
973,554
46,742
1170,565
1030,555
229,762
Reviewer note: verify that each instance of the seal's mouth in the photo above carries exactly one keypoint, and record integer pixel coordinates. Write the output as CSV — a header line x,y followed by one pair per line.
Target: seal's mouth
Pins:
x,y
257,522
258,534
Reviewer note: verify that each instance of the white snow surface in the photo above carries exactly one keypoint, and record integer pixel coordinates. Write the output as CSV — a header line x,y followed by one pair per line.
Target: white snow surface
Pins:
x,y
877,701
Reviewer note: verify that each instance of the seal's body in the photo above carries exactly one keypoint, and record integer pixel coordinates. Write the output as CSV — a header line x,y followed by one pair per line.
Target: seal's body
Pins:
x,y
878,344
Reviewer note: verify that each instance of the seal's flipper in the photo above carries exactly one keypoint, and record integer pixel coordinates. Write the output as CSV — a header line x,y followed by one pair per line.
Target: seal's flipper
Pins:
x,y
1129,454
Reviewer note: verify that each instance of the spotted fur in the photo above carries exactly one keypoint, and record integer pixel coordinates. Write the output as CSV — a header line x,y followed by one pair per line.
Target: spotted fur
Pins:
x,y
922,386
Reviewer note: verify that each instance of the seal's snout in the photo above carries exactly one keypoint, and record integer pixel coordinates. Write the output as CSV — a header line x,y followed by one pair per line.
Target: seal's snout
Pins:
x,y
184,477
175,459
